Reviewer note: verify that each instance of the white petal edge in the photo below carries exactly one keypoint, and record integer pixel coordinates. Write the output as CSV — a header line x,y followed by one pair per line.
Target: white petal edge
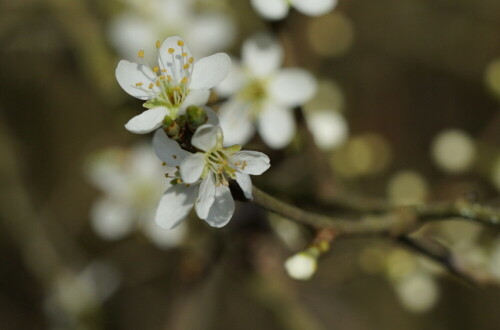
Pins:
x,y
314,7
192,167
222,209
292,87
255,163
175,205
245,183
210,71
147,121
167,150
207,137
262,54
276,126
271,9
206,197
128,74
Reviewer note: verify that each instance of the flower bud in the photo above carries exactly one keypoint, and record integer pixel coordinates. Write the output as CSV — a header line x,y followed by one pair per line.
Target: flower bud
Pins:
x,y
171,127
196,116
302,265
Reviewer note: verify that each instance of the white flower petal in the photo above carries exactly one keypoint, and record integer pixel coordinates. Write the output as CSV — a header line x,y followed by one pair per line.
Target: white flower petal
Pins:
x,y
271,9
167,150
276,126
147,121
251,162
175,205
111,219
174,62
192,167
210,71
212,32
235,122
129,32
206,197
222,209
245,184
195,97
129,75
314,7
262,54
212,117
234,81
207,137
329,128
292,87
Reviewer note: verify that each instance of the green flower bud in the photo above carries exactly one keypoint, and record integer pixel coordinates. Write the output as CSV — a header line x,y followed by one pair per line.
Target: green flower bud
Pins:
x,y
196,116
171,128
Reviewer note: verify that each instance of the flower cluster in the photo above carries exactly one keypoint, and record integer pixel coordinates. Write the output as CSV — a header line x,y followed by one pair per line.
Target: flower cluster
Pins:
x,y
263,94
198,166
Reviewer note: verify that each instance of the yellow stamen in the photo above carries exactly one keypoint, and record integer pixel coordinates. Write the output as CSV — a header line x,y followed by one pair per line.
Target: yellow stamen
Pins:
x,y
156,69
169,78
171,50
184,80
150,85
191,60
139,84
158,43
140,53
186,66
184,54
180,43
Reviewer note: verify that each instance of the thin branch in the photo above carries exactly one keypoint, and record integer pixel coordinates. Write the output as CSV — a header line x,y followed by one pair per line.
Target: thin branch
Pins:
x,y
397,221
441,255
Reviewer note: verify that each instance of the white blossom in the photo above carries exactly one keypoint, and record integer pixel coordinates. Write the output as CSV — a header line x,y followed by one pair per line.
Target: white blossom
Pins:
x,y
169,88
130,182
278,9
328,127
139,24
301,266
202,178
263,94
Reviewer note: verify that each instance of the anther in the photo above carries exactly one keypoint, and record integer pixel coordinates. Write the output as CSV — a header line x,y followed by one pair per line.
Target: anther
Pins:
x,y
139,84
158,43
186,66
191,60
156,69
171,50
184,54
184,80
140,53
180,43
150,85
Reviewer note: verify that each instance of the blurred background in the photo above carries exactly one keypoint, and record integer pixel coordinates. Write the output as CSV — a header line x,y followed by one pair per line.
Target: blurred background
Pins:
x,y
407,110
